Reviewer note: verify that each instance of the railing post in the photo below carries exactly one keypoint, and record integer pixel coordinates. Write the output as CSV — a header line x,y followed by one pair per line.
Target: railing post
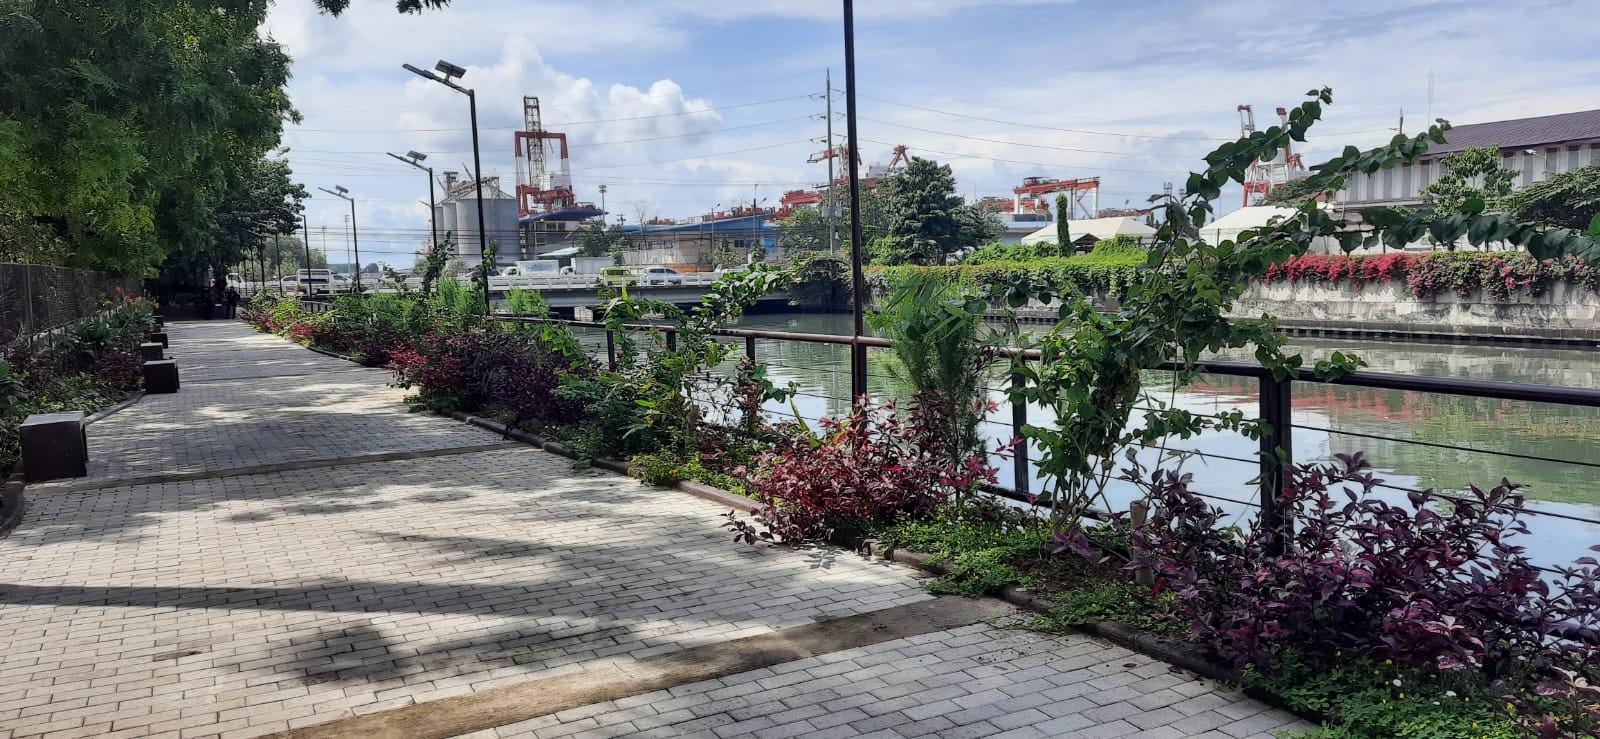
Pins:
x,y
1022,479
611,350
1277,454
750,348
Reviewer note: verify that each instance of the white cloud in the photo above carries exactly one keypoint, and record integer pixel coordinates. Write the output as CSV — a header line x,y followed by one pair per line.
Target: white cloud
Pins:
x,y
675,72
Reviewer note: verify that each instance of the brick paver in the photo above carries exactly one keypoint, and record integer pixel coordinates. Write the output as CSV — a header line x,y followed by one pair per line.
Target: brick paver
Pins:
x,y
978,680
249,603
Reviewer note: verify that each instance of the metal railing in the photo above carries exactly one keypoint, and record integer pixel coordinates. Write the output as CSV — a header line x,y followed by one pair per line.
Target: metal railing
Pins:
x,y
36,300
1274,398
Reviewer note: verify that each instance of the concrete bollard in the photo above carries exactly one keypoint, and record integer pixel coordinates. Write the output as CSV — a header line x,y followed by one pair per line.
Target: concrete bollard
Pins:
x,y
54,446
161,321
161,377
159,337
150,351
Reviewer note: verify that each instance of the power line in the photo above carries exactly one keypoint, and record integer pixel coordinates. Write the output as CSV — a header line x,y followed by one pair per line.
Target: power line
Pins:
x,y
1031,146
1091,132
1047,128
591,143
1096,168
566,123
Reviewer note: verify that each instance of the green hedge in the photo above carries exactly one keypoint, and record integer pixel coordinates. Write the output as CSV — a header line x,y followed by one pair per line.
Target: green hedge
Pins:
x,y
1111,267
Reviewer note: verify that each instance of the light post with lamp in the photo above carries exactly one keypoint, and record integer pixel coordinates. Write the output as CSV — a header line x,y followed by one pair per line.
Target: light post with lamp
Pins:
x,y
414,158
450,72
355,239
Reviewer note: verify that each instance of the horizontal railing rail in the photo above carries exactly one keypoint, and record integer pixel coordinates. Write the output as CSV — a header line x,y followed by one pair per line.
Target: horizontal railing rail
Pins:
x,y
1274,397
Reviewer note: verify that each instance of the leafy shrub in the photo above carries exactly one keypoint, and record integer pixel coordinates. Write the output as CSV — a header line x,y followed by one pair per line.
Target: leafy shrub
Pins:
x,y
871,467
1437,584
981,539
1112,269
1499,274
476,370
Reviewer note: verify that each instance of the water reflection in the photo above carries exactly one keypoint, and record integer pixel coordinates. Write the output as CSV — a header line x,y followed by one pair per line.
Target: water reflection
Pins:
x,y
1400,432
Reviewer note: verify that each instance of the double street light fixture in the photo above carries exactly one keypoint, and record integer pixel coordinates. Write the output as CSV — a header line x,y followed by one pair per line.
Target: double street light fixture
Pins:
x,y
341,192
451,72
414,158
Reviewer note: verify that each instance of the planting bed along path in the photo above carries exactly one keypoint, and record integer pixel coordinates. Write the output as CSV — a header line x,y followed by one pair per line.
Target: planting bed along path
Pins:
x,y
281,545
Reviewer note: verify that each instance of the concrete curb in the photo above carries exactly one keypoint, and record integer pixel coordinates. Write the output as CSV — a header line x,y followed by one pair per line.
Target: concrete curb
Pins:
x,y
101,415
12,505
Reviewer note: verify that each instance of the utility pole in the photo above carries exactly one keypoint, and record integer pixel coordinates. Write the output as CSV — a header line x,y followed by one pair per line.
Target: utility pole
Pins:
x,y
602,203
305,223
858,279
831,204
277,259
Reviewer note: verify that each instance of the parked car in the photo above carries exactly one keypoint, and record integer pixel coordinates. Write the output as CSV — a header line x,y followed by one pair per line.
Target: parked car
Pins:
x,y
662,276
618,276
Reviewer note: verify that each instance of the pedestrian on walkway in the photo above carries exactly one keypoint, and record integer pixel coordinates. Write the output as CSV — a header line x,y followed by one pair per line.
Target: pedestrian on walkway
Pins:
x,y
233,302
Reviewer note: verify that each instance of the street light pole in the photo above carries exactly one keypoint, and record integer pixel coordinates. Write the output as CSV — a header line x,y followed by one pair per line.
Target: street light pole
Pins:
x,y
451,71
355,240
414,158
305,223
858,280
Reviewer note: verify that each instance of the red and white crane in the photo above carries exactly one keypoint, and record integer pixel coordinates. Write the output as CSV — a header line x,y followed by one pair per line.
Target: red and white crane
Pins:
x,y
1033,189
539,189
1265,175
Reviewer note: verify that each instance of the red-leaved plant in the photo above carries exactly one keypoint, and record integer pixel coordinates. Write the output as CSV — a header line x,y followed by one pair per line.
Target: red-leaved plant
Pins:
x,y
1437,583
474,370
873,465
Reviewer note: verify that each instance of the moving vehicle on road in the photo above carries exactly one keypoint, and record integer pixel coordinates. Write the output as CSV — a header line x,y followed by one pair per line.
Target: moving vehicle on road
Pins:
x,y
663,276
618,276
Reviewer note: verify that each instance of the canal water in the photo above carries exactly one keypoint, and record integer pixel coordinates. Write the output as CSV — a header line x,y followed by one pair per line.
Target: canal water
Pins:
x,y
1397,431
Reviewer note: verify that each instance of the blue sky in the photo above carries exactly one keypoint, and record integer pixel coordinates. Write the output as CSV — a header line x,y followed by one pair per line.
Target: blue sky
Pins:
x,y
680,105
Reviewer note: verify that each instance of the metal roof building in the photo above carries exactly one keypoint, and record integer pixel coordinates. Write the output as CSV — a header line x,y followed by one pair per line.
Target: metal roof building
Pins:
x,y
1533,147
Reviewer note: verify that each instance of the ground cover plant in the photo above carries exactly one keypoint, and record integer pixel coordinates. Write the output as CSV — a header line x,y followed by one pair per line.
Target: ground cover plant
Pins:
x,y
87,365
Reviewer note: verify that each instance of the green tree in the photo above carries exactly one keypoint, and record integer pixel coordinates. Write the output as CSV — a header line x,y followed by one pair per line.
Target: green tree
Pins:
x,y
1291,192
1567,199
978,227
124,122
1063,230
262,202
595,238
924,212
805,230
335,7
1472,179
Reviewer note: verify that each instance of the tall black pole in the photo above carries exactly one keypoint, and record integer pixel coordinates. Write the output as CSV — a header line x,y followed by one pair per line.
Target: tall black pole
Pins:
x,y
477,164
433,212
355,244
306,223
858,280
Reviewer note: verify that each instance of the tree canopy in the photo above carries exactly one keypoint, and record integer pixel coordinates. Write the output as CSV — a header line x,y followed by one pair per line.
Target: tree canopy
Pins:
x,y
1566,199
1474,174
335,7
125,124
1291,192
924,219
596,239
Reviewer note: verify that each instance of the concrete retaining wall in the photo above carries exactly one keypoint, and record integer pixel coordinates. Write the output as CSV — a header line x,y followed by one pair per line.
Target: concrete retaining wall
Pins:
x,y
1564,312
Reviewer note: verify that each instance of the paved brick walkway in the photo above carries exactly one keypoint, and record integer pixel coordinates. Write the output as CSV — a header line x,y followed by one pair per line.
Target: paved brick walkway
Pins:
x,y
224,603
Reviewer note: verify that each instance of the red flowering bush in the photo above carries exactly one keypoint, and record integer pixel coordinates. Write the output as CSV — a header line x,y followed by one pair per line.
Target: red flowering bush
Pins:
x,y
1500,275
872,466
477,370
1437,584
